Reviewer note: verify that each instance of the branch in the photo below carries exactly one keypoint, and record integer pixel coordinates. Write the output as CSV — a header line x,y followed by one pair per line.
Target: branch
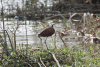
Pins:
x,y
27,63
9,39
62,39
57,62
16,28
54,16
42,62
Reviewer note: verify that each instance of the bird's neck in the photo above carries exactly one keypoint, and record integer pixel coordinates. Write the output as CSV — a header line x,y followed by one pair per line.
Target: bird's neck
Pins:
x,y
52,26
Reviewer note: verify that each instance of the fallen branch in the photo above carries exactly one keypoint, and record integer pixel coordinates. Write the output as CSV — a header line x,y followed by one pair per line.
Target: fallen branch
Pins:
x,y
60,15
57,62
42,62
27,63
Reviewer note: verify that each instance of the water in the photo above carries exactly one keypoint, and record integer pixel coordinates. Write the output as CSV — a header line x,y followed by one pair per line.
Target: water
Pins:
x,y
20,3
33,29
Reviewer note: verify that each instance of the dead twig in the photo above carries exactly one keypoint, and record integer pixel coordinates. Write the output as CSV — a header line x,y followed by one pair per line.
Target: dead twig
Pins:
x,y
53,16
57,62
9,39
62,39
27,63
42,62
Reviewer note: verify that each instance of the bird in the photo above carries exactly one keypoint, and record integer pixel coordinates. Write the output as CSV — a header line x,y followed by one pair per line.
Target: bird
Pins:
x,y
47,32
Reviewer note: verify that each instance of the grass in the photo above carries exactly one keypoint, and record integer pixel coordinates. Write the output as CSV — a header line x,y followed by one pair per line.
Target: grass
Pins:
x,y
73,57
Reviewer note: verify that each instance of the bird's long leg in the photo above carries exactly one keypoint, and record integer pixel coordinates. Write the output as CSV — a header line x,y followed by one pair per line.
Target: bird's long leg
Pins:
x,y
55,41
45,43
41,40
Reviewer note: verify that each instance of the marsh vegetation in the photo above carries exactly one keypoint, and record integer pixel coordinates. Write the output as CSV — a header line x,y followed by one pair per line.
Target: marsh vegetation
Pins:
x,y
75,43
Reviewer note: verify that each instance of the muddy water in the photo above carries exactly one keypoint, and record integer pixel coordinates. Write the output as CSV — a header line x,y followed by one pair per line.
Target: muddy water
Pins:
x,y
33,28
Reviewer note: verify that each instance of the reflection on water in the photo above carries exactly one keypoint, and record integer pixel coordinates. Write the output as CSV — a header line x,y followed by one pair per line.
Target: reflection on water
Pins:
x,y
33,29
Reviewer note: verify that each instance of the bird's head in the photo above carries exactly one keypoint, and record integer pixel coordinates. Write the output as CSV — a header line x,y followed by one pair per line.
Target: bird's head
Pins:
x,y
53,25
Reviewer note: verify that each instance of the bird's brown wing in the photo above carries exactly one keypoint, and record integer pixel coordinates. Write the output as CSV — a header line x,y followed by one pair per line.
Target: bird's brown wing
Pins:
x,y
47,32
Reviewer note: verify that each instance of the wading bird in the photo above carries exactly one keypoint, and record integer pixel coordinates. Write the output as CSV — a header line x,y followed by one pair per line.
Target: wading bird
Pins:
x,y
49,31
